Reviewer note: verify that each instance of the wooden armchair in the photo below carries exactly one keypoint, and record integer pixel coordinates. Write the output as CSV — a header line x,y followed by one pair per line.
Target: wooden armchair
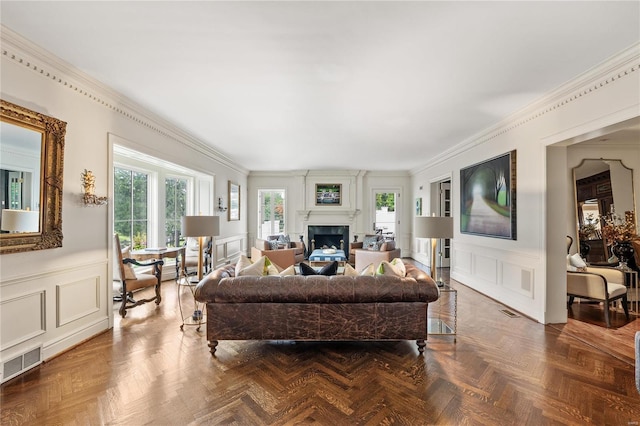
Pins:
x,y
132,280
602,284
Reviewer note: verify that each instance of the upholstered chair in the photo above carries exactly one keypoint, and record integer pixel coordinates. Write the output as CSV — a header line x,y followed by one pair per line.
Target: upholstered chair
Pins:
x,y
283,257
132,280
283,242
373,252
602,284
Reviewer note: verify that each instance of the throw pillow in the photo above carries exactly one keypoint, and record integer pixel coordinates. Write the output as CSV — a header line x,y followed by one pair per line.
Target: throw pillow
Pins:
x,y
284,239
273,244
129,272
394,267
576,263
328,269
350,271
245,267
291,270
370,242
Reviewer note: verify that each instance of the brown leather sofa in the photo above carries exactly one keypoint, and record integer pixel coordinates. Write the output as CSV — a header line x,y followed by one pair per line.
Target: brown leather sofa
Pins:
x,y
317,307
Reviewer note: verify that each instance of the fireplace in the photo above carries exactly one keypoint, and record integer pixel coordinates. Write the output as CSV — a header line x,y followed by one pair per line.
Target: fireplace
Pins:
x,y
329,236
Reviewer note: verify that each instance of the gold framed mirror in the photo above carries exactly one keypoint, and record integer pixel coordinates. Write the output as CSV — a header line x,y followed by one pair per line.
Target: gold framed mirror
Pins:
x,y
31,169
601,186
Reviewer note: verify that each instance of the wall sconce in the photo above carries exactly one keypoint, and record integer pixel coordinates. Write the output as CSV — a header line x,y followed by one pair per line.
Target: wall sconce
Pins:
x,y
89,188
221,206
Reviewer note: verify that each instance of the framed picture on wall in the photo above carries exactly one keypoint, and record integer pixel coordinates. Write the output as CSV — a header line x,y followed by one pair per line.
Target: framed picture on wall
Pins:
x,y
328,194
419,206
234,201
488,197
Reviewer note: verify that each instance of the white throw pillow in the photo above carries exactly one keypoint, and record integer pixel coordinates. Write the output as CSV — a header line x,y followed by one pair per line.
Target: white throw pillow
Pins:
x,y
291,270
369,270
575,263
245,267
395,267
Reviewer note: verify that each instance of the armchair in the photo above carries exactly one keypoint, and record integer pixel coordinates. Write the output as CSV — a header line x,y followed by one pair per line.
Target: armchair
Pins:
x,y
297,246
602,284
283,257
132,280
361,257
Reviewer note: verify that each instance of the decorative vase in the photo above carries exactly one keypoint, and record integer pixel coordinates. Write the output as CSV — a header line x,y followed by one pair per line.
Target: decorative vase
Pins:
x,y
585,248
624,251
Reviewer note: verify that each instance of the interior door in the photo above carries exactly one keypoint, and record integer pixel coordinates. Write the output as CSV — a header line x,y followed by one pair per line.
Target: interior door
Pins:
x,y
444,246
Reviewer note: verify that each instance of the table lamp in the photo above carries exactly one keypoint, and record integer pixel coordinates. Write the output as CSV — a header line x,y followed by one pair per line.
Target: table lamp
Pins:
x,y
200,227
20,220
433,227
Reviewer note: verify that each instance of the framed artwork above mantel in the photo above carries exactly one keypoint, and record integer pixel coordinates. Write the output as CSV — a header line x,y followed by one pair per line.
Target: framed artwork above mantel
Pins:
x,y
328,194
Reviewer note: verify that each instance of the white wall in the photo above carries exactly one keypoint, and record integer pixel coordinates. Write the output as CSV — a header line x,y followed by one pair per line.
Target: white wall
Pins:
x,y
63,295
355,211
515,272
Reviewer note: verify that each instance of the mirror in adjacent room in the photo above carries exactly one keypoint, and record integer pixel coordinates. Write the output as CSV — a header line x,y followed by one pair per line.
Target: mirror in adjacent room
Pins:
x,y
31,171
601,187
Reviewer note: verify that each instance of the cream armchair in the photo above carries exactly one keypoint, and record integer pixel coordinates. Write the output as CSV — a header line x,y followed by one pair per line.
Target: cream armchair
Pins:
x,y
603,284
362,257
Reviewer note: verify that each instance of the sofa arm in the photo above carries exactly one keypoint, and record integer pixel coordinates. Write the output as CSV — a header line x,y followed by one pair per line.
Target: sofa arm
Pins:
x,y
206,288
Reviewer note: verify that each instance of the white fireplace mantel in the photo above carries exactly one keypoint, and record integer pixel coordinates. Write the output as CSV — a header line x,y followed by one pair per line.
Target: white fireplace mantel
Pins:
x,y
328,212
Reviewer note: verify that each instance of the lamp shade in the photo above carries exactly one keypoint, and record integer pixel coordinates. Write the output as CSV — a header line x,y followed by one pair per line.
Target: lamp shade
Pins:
x,y
20,220
433,227
200,226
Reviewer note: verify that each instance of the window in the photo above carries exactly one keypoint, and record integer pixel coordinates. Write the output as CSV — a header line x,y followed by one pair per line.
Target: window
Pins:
x,y
130,207
271,214
176,207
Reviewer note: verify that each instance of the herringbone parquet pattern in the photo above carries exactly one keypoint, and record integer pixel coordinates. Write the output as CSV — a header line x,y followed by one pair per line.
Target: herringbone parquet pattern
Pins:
x,y
499,371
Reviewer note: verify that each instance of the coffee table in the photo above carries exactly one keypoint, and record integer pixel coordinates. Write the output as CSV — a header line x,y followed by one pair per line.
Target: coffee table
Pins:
x,y
319,258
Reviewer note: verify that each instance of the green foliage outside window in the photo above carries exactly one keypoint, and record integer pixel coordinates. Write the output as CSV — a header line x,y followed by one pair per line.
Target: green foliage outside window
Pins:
x,y
130,207
386,200
176,207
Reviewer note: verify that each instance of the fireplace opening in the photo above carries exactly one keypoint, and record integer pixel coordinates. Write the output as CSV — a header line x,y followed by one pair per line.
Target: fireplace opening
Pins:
x,y
329,236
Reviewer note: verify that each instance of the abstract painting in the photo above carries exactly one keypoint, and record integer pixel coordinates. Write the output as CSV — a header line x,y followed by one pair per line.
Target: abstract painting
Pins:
x,y
488,197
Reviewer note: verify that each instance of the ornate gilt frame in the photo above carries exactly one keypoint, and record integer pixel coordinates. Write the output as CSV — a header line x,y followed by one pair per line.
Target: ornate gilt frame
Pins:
x,y
52,166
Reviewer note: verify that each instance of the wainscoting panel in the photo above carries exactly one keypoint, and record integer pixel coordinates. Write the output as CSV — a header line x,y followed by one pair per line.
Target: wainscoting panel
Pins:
x,y
462,260
77,299
486,268
510,277
228,250
22,318
517,279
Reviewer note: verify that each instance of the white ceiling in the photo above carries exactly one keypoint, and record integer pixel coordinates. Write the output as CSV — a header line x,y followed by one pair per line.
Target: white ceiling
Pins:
x,y
330,85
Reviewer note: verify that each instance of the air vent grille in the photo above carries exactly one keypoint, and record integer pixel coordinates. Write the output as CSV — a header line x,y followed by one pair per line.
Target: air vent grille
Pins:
x,y
21,363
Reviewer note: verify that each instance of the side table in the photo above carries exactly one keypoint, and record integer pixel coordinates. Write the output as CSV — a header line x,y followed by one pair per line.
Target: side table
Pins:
x,y
443,314
197,317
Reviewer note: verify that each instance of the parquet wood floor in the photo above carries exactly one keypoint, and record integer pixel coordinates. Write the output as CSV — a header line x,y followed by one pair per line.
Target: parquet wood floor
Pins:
x,y
499,371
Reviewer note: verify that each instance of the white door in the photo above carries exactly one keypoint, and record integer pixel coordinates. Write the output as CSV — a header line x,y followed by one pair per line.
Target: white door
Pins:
x,y
386,203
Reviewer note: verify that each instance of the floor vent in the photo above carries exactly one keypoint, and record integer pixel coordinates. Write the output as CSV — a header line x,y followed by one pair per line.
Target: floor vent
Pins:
x,y
21,363
509,313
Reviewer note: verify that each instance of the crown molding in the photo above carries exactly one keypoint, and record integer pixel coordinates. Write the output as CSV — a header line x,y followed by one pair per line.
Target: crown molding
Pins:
x,y
622,65
33,57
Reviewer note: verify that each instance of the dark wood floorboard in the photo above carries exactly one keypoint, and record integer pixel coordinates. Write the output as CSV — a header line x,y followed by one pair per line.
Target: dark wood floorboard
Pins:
x,y
499,371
